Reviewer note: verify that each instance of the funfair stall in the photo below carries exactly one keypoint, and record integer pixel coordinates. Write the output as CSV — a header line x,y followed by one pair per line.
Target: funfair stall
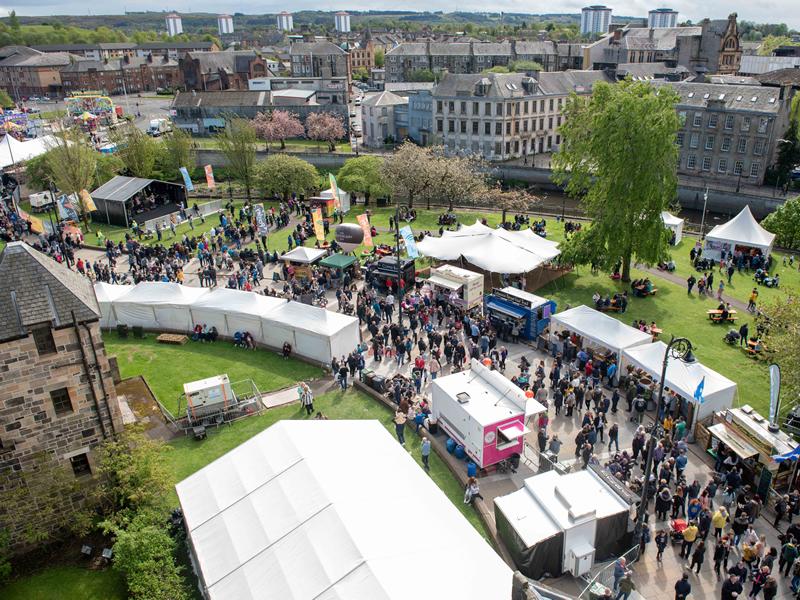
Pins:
x,y
511,307
459,287
484,412
560,523
742,233
675,225
158,305
596,330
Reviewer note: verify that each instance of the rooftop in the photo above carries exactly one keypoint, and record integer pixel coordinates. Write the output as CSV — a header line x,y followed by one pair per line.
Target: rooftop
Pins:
x,y
732,97
228,98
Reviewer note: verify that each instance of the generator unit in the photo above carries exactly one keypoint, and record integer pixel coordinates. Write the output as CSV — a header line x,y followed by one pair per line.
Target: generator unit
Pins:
x,y
207,396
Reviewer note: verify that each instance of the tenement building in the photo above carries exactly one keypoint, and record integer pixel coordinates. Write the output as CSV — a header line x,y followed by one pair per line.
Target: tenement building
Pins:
x,y
57,398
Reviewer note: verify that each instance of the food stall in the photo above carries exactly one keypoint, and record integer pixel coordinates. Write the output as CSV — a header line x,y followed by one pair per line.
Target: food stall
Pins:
x,y
459,287
748,434
483,412
531,313
339,265
302,259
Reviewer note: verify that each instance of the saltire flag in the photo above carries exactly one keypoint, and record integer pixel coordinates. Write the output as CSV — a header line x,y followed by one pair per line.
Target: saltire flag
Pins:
x,y
698,393
319,228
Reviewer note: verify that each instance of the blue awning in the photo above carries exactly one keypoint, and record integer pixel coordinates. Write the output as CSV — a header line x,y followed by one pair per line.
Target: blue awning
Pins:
x,y
511,311
212,122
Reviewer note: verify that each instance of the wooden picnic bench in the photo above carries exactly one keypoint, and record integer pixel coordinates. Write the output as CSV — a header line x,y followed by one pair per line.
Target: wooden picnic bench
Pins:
x,y
172,338
610,308
715,315
754,347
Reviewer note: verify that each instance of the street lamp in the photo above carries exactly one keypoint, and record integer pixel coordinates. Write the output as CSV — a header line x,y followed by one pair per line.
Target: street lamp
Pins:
x,y
679,349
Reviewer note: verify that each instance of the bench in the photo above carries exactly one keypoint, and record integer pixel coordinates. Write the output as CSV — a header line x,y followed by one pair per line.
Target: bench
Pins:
x,y
172,338
610,308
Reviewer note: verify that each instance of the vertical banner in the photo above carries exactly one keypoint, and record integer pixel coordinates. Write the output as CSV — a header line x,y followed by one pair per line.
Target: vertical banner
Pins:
x,y
210,177
774,392
187,181
411,244
66,209
363,220
87,201
319,228
261,219
337,203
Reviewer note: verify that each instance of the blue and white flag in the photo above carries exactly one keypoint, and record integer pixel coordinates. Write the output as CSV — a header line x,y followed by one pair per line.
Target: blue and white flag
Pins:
x,y
698,393
67,210
186,179
791,455
411,243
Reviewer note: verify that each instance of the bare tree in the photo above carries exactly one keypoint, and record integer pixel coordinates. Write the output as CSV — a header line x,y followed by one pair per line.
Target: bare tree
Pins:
x,y
456,178
238,143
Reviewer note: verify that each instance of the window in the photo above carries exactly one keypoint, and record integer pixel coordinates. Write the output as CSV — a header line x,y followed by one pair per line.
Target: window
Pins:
x,y
463,108
698,119
475,108
762,125
758,148
43,338
726,144
80,465
487,128
754,169
525,126
551,104
681,136
682,117
439,126
498,129
745,123
487,108
499,109
709,142
541,105
438,106
508,128
497,149
516,127
722,165
712,121
526,107
451,107
738,167
706,166
61,401
475,128
729,122
463,126
694,140
691,161
741,146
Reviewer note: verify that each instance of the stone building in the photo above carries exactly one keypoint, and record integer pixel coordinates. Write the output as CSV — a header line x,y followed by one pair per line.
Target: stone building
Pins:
x,y
27,72
215,71
318,59
57,396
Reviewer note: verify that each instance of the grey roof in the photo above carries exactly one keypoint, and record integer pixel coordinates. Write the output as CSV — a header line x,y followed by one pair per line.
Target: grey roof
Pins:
x,y
563,83
22,56
409,49
175,45
647,70
34,288
756,65
492,49
83,47
732,79
132,62
121,188
236,61
501,85
745,98
321,48
227,98
542,47
385,99
781,77
450,49
408,86
660,38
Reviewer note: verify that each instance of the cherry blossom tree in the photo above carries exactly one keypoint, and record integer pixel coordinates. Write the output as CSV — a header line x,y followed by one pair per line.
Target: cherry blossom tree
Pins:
x,y
277,126
325,127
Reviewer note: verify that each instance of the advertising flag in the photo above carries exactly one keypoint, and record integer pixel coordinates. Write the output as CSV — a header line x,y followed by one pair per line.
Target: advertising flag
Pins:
x,y
210,177
319,228
337,203
261,219
774,392
87,201
411,243
66,208
363,220
186,179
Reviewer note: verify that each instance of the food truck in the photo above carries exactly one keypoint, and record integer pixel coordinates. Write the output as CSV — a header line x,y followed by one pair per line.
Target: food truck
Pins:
x,y
461,288
531,313
483,412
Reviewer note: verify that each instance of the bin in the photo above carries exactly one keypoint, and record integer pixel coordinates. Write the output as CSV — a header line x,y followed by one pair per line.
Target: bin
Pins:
x,y
472,469
451,445
459,453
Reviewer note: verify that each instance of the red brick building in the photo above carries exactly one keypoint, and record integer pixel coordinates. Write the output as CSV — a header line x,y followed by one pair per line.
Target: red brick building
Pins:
x,y
131,74
218,71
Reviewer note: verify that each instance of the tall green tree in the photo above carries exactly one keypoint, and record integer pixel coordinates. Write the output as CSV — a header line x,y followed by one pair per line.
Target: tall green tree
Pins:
x,y
618,156
237,142
177,150
72,166
785,223
363,175
5,100
284,174
780,319
137,150
380,57
789,146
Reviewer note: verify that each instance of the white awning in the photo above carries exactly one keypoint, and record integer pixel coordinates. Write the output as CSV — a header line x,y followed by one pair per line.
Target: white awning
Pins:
x,y
733,441
512,431
445,283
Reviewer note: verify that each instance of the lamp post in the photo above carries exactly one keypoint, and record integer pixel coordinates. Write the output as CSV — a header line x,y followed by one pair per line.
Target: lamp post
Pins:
x,y
399,262
679,349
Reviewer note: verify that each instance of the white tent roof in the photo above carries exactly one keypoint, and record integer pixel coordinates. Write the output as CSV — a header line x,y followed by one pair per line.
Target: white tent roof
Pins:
x,y
13,151
606,331
107,292
743,230
165,293
670,219
309,318
289,515
301,254
238,301
494,250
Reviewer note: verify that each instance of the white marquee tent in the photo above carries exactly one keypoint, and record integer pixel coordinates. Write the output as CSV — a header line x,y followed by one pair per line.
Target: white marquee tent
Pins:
x,y
673,223
234,310
288,515
741,230
493,250
304,255
719,392
107,294
158,305
12,151
599,328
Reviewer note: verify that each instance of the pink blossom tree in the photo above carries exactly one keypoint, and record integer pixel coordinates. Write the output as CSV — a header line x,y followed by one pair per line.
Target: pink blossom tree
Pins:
x,y
277,126
325,127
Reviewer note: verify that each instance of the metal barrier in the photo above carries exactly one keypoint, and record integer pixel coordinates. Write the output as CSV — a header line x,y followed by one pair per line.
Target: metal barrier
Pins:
x,y
206,209
603,576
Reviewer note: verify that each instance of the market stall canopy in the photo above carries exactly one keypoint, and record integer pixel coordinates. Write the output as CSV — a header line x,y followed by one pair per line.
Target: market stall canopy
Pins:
x,y
290,497
13,151
304,255
670,219
445,283
602,329
238,302
743,230
337,261
733,440
494,250
107,294
719,392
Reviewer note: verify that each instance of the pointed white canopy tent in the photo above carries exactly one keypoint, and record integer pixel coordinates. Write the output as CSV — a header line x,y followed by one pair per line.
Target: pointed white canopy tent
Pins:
x,y
599,328
674,224
234,310
742,230
304,255
719,392
158,305
106,294
12,151
288,515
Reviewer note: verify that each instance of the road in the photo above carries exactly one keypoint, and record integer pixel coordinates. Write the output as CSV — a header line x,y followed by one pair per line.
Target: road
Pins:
x,y
146,107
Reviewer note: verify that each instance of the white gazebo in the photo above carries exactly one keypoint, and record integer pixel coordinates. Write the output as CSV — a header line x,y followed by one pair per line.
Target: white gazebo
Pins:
x,y
741,232
303,255
674,224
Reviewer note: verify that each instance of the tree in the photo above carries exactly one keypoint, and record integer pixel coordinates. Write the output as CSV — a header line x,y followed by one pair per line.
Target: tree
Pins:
x,y
137,150
361,74
455,178
177,150
781,322
363,175
72,164
618,155
237,142
277,126
785,223
408,172
284,174
789,146
13,20
525,66
380,57
497,69
5,100
108,166
421,75
513,200
325,127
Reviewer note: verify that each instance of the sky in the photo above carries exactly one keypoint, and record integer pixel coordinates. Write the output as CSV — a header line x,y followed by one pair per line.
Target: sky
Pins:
x,y
761,11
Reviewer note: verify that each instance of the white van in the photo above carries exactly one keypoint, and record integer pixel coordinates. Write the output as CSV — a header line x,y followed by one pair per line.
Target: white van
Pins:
x,y
158,127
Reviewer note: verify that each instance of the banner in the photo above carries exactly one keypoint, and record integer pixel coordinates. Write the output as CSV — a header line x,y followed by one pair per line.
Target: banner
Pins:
x,y
411,243
87,201
319,228
337,203
774,392
66,208
36,223
261,218
210,177
186,179
363,220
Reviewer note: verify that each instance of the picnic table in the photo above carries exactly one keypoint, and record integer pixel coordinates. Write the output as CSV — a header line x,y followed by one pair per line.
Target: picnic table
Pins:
x,y
754,347
715,315
656,331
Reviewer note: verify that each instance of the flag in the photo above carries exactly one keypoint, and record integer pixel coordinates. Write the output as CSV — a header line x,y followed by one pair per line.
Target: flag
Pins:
x,y
411,244
87,201
186,179
261,219
337,203
791,455
698,393
210,177
363,220
774,392
319,228
66,208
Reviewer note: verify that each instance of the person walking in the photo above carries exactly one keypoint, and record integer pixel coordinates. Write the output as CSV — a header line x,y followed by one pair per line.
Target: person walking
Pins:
x,y
689,536
306,397
770,588
788,555
400,419
698,556
720,555
425,451
759,580
613,437
751,302
718,521
683,588
732,588
343,373
626,586
662,539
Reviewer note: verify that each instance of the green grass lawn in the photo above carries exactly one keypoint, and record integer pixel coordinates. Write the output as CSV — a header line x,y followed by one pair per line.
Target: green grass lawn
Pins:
x,y
168,367
67,583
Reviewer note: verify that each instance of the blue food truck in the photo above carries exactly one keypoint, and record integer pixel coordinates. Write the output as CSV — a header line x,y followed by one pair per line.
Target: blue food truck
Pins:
x,y
511,307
